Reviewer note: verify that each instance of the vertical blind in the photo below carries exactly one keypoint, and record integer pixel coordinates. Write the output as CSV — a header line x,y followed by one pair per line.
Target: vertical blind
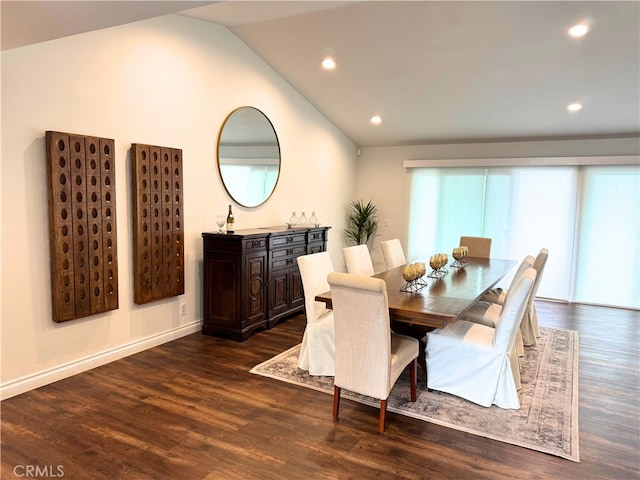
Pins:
x,y
587,216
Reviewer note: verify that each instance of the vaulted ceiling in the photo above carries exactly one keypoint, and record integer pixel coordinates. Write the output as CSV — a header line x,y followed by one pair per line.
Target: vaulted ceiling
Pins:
x,y
433,71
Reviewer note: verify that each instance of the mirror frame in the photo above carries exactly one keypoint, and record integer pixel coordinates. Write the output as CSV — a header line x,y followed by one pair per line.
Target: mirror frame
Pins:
x,y
277,142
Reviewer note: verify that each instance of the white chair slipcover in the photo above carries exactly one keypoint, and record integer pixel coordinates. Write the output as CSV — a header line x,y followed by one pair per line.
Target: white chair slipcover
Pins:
x,y
318,342
487,312
358,260
369,357
393,253
479,247
473,361
497,295
529,326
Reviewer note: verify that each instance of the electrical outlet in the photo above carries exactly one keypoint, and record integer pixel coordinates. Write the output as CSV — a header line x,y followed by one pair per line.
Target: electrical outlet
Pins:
x,y
183,309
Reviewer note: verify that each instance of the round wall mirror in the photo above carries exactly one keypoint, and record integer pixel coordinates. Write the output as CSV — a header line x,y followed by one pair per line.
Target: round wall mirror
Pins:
x,y
248,156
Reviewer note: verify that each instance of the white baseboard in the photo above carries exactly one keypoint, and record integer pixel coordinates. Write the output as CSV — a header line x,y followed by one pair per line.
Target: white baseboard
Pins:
x,y
45,377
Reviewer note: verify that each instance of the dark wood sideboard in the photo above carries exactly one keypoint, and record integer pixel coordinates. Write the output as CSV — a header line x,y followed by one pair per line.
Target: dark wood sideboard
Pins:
x,y
251,277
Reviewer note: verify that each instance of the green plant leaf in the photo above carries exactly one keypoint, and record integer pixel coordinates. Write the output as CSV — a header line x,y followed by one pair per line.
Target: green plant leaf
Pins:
x,y
361,222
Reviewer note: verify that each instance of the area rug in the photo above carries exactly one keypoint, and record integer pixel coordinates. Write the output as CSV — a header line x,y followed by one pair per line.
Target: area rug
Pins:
x,y
546,422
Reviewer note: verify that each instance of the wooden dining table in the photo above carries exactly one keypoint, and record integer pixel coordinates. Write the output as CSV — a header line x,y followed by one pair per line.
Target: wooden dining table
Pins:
x,y
443,299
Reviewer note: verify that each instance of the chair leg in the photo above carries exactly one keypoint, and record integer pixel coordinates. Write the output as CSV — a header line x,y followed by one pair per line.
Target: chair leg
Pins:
x,y
336,400
413,373
426,373
383,415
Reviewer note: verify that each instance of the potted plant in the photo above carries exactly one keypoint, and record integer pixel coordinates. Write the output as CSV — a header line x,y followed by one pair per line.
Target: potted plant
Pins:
x,y
362,223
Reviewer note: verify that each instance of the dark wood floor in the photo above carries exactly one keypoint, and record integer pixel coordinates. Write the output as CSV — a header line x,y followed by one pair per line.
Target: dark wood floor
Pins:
x,y
190,410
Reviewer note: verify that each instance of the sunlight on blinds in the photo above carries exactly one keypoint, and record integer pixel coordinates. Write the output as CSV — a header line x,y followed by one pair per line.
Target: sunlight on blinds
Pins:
x,y
523,209
443,203
608,259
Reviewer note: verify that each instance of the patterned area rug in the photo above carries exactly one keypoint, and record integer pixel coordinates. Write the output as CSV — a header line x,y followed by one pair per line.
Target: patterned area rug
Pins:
x,y
547,420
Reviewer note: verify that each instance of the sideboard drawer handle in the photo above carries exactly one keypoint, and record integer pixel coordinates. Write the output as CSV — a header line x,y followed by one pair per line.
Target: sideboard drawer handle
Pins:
x,y
289,239
289,261
255,244
289,251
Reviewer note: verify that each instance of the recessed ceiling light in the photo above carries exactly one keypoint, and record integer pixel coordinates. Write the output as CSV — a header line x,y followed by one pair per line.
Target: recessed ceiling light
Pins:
x,y
376,120
574,107
579,30
328,63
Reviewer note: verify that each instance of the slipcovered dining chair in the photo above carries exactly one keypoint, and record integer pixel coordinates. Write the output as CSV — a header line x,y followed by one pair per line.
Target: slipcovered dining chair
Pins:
x,y
488,313
318,342
529,326
479,247
498,295
358,260
369,357
473,361
392,253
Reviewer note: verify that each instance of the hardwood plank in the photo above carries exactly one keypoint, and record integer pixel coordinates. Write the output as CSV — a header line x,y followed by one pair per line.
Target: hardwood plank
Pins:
x,y
191,410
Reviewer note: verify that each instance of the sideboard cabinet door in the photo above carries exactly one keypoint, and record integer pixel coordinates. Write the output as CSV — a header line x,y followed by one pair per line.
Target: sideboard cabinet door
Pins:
x,y
285,284
235,285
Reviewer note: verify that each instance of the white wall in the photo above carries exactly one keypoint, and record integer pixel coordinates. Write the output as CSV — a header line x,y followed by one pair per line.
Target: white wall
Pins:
x,y
169,81
382,178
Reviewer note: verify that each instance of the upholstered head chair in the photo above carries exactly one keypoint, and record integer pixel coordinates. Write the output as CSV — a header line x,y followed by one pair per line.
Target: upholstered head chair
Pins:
x,y
392,253
473,361
369,357
479,247
358,260
318,347
529,326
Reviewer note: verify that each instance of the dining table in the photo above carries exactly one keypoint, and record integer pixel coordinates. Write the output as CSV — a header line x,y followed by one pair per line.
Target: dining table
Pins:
x,y
442,300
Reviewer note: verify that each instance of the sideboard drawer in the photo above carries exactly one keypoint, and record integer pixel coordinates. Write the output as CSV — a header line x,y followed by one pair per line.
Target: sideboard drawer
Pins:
x,y
316,236
221,242
293,251
255,244
284,262
288,239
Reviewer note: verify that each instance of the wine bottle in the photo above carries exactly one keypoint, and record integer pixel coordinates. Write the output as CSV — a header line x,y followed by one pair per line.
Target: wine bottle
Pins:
x,y
230,221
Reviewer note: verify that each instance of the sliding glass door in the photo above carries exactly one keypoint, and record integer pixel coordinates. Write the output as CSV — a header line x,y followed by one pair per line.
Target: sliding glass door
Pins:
x,y
607,258
567,209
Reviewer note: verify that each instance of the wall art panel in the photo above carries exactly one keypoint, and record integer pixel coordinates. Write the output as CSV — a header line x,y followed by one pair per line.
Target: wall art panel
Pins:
x,y
158,230
82,225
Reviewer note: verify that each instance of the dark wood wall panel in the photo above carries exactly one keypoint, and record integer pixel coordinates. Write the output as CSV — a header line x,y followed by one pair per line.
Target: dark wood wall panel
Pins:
x,y
107,147
174,206
140,167
82,228
156,224
96,246
158,238
79,219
